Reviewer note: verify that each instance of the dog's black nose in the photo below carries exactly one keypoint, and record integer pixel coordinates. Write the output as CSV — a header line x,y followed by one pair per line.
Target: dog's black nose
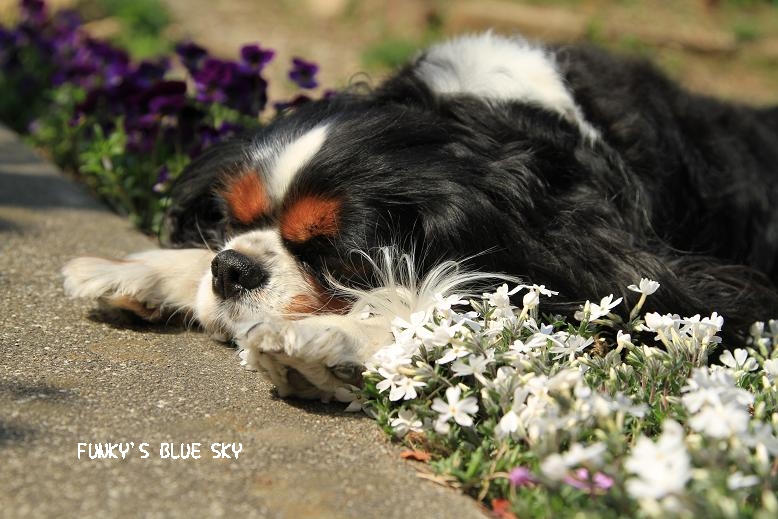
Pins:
x,y
234,272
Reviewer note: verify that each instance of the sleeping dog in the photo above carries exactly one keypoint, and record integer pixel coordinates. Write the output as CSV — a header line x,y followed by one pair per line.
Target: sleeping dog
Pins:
x,y
557,165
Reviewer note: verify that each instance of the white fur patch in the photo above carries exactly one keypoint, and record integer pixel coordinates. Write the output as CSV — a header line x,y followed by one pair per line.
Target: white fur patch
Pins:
x,y
291,158
500,68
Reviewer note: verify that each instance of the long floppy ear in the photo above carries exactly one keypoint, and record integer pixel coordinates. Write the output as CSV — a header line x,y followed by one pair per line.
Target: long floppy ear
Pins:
x,y
197,216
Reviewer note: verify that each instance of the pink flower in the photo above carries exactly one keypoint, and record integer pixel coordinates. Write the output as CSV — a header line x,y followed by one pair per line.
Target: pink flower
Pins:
x,y
581,479
521,477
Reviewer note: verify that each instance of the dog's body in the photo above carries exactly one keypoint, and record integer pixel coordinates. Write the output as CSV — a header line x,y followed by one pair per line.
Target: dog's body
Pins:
x,y
565,166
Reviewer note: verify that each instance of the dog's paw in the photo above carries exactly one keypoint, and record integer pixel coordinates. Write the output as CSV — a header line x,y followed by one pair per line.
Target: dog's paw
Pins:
x,y
307,358
124,284
153,284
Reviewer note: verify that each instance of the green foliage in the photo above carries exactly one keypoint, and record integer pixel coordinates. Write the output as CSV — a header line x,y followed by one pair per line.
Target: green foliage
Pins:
x,y
24,89
143,24
390,53
746,31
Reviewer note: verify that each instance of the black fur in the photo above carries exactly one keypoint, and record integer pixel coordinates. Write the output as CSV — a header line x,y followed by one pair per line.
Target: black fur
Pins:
x,y
680,188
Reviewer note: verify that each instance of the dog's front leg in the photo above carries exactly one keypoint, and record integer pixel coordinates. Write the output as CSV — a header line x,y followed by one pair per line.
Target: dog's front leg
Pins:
x,y
314,356
152,284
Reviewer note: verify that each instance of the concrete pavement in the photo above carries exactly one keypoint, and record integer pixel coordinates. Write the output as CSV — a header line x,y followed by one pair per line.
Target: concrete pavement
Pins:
x,y
68,377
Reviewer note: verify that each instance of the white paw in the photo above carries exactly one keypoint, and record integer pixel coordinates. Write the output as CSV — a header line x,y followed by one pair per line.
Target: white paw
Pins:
x,y
302,358
117,283
151,284
91,277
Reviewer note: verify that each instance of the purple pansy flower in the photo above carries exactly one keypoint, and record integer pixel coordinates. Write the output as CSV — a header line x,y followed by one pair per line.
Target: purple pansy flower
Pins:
x,y
303,73
212,79
191,55
34,12
255,57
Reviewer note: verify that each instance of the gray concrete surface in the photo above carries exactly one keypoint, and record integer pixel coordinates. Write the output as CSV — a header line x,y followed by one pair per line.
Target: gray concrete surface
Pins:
x,y
68,377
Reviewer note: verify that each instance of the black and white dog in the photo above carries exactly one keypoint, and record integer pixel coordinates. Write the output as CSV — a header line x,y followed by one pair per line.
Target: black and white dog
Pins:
x,y
559,165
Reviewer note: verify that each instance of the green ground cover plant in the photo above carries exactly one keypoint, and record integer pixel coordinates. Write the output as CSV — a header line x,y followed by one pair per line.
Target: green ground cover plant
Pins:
x,y
600,417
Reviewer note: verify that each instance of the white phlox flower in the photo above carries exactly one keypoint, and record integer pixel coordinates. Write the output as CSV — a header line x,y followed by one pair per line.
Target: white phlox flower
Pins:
x,y
503,384
739,361
351,394
443,304
441,333
500,300
564,380
590,403
539,416
542,335
762,437
403,329
456,351
518,346
657,323
557,466
623,340
738,480
718,408
391,358
770,368
720,420
510,422
712,387
623,404
593,311
406,422
572,346
540,289
645,287
461,410
703,330
541,413
532,298
767,336
475,365
404,388
661,468
468,320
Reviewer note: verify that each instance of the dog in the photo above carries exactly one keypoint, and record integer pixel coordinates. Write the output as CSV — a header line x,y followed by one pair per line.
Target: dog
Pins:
x,y
561,165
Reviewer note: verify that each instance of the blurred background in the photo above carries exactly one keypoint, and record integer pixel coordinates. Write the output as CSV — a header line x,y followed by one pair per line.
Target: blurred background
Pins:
x,y
727,48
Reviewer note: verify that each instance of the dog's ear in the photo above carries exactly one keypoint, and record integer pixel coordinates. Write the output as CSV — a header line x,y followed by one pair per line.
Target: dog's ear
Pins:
x,y
405,88
197,215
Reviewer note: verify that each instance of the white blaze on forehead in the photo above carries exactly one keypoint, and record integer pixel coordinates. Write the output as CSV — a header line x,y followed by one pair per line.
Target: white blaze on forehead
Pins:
x,y
501,69
291,158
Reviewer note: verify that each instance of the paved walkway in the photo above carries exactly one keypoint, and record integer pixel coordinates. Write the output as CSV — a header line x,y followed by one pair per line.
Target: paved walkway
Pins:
x,y
67,377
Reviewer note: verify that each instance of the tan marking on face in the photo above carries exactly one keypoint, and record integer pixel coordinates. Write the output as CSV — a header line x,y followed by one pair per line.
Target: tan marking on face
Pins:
x,y
309,217
318,301
247,197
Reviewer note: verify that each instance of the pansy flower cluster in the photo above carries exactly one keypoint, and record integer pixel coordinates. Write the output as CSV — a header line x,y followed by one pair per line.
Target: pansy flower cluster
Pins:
x,y
598,417
128,128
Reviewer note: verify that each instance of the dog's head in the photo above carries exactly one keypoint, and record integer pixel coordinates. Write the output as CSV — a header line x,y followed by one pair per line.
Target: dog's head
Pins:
x,y
288,207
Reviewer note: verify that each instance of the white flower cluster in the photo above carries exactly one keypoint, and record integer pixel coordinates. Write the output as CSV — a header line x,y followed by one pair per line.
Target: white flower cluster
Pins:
x,y
499,372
